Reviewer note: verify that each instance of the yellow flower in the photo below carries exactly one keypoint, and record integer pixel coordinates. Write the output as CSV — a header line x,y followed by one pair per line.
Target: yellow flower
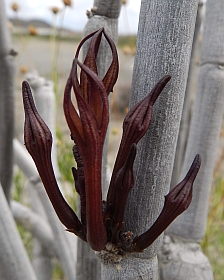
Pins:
x,y
67,2
15,7
32,30
55,10
23,69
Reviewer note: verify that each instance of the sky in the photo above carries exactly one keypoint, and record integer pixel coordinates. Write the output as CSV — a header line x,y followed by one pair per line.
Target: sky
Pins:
x,y
75,17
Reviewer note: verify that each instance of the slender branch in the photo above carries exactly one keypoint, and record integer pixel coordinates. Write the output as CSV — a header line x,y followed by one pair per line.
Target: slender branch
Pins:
x,y
14,261
34,224
26,164
6,103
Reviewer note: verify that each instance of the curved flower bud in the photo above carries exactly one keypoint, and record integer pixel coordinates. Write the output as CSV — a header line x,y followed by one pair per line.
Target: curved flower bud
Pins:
x,y
38,141
176,202
135,126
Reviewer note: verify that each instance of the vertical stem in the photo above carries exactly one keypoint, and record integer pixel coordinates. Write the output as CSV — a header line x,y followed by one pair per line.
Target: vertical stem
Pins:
x,y
203,138
206,123
42,260
190,92
6,104
14,262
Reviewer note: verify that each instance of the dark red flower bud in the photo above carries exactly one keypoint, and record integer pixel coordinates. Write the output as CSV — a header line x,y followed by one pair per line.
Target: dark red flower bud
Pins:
x,y
176,202
38,141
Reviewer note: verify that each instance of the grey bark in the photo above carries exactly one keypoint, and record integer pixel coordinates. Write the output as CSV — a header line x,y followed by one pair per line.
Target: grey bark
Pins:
x,y
6,103
103,14
205,126
188,99
44,246
64,249
14,262
164,44
42,258
206,123
33,223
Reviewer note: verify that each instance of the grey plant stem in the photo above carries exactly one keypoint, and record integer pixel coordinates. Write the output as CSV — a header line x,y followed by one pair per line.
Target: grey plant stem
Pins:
x,y
32,222
14,261
190,93
6,103
189,229
206,123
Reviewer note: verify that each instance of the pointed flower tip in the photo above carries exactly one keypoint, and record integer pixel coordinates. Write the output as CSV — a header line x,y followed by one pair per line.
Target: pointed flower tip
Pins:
x,y
180,196
158,88
167,77
37,136
164,80
139,116
27,96
176,202
193,171
197,160
25,85
28,102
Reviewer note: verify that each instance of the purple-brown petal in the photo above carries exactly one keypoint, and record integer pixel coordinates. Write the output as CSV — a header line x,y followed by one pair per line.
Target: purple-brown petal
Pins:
x,y
97,107
71,115
38,141
95,46
176,202
90,61
110,77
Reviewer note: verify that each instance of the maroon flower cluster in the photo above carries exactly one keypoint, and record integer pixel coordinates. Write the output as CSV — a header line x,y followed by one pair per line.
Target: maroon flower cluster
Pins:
x,y
88,124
